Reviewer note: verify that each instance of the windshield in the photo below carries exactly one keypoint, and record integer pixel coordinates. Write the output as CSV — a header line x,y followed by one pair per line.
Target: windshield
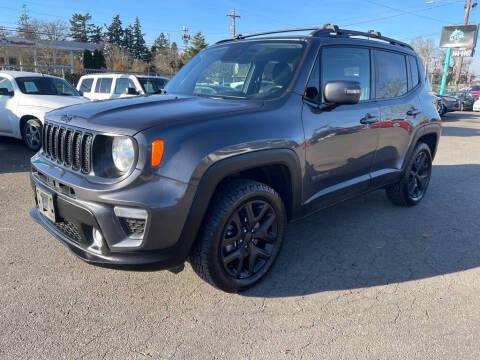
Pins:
x,y
240,70
46,86
152,85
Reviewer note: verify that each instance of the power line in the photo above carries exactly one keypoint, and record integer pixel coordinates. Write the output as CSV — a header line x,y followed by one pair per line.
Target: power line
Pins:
x,y
407,12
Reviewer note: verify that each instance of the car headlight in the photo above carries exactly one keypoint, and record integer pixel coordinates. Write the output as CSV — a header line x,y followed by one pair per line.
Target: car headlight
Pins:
x,y
123,153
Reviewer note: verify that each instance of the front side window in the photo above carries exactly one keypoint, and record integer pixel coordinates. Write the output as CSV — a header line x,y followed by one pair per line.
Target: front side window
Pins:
x,y
349,64
391,75
260,69
45,86
6,85
86,85
103,85
122,84
152,85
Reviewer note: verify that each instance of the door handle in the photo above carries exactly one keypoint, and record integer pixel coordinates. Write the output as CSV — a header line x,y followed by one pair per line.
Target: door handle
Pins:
x,y
413,112
369,119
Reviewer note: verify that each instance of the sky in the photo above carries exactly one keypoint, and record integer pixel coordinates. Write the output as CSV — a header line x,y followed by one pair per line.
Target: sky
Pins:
x,y
399,19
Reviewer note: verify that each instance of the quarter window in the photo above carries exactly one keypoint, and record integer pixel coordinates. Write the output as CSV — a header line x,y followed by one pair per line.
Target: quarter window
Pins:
x,y
391,75
86,85
351,64
413,71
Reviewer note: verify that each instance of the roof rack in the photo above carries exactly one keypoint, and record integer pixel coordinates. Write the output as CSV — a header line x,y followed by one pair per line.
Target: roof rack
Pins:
x,y
327,30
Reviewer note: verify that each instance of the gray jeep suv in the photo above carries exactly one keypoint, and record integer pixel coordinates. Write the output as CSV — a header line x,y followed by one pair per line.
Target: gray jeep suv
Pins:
x,y
252,133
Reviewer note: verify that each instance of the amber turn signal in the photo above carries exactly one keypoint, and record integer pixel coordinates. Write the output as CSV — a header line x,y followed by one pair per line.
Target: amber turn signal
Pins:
x,y
157,152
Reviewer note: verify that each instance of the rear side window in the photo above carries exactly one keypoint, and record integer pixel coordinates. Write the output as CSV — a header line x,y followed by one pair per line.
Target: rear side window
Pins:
x,y
391,75
86,85
413,72
122,84
343,63
103,85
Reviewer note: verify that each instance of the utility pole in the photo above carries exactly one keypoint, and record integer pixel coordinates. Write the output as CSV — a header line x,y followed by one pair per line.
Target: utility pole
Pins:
x,y
185,36
460,59
234,16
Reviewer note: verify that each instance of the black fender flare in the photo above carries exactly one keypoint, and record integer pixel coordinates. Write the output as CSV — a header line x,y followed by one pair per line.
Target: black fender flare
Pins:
x,y
222,169
431,128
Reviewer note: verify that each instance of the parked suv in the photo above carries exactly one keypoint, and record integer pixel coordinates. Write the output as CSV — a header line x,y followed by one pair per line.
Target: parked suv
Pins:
x,y
251,133
112,86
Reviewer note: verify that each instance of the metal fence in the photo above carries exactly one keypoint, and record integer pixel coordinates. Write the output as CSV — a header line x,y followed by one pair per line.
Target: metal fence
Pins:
x,y
73,75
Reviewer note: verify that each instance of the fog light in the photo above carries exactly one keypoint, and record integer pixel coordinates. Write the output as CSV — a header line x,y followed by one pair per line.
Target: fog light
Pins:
x,y
97,238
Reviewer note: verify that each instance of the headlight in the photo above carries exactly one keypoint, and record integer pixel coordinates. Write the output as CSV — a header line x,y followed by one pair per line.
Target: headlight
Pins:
x,y
123,153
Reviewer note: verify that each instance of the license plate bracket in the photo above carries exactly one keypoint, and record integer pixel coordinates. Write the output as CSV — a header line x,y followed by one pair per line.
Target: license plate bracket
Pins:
x,y
46,204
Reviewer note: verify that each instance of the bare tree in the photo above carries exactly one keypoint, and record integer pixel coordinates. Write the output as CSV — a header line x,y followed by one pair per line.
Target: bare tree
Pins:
x,y
117,58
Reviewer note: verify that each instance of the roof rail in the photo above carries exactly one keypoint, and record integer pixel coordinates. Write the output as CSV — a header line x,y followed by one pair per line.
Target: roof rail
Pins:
x,y
324,31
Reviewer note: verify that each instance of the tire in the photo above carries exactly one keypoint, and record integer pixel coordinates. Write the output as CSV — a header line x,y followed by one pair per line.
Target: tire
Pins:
x,y
443,110
413,185
462,107
232,239
32,134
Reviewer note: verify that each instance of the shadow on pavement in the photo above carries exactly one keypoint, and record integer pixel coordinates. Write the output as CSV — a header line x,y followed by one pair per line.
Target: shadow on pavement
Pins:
x,y
460,131
14,156
368,241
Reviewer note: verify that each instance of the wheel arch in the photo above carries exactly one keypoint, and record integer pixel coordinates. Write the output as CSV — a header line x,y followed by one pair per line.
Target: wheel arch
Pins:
x,y
279,168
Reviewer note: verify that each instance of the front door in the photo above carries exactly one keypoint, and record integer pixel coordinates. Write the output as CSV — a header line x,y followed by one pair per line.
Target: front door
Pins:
x,y
8,119
340,143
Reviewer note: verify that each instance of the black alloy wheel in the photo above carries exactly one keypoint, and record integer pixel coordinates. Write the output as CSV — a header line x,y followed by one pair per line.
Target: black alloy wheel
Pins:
x,y
241,236
249,239
419,176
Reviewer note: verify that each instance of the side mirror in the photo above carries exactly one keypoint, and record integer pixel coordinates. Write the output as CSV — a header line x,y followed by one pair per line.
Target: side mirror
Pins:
x,y
131,91
342,92
5,92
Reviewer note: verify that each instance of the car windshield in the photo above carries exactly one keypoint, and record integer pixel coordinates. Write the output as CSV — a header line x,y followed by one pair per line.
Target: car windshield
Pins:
x,y
45,86
152,85
240,70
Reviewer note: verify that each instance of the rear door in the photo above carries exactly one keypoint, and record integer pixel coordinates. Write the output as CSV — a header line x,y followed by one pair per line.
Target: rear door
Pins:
x,y
340,143
396,91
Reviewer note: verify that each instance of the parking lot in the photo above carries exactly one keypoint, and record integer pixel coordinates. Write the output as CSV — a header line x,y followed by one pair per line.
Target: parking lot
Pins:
x,y
364,279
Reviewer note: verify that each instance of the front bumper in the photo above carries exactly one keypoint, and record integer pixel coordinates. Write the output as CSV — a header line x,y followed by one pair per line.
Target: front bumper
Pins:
x,y
161,244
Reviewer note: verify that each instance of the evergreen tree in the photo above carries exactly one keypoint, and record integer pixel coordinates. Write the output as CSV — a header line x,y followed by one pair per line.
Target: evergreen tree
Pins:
x,y
197,44
174,49
87,59
78,27
95,33
114,34
139,51
128,39
160,45
98,60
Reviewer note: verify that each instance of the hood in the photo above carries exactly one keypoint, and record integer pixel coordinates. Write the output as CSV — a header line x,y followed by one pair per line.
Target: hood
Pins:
x,y
51,101
127,116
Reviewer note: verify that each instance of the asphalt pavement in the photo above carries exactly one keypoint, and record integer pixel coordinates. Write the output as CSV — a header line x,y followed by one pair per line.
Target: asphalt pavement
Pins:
x,y
362,280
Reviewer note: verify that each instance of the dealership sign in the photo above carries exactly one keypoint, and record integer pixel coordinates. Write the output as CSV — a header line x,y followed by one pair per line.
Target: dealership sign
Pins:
x,y
462,52
459,36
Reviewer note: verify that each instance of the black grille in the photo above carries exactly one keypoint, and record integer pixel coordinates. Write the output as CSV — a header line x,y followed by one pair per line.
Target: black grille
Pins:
x,y
70,147
69,229
133,227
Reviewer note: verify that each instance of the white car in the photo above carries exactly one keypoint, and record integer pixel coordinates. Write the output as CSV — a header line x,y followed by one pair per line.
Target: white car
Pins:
x,y
25,98
112,86
476,105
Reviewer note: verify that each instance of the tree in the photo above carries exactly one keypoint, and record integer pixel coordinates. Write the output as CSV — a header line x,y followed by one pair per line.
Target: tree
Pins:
x,y
98,60
128,42
78,27
117,58
26,27
198,43
53,30
115,32
139,50
95,33
87,59
160,45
